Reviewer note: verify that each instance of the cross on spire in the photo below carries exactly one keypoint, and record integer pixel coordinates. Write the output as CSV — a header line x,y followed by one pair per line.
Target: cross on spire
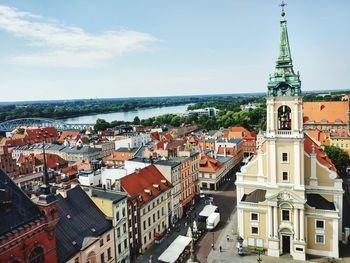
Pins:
x,y
283,4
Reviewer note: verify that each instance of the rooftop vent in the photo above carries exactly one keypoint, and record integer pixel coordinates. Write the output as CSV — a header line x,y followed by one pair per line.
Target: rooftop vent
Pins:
x,y
93,230
74,243
148,191
69,217
164,182
156,186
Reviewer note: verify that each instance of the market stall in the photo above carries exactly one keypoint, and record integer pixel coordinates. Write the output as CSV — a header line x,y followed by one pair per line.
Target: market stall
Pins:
x,y
177,251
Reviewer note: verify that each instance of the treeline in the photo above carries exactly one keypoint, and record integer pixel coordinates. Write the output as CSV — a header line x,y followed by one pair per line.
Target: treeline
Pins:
x,y
253,120
67,109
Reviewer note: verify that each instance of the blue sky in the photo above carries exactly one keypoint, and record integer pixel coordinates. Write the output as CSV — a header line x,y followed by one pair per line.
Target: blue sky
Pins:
x,y
107,48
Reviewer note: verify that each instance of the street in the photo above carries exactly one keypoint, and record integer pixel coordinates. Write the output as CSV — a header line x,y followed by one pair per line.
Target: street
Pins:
x,y
225,199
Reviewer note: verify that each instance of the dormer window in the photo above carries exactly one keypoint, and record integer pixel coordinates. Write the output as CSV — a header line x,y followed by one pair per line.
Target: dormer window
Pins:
x,y
324,121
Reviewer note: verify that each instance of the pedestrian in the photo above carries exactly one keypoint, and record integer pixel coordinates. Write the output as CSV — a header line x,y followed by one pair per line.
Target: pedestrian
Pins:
x,y
220,248
212,246
228,238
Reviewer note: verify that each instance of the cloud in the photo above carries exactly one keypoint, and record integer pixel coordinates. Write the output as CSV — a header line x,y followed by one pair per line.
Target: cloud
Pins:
x,y
67,46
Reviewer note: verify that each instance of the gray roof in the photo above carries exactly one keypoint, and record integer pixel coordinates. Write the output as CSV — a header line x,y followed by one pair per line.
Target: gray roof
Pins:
x,y
107,195
236,141
212,132
224,159
319,202
207,140
59,148
168,163
126,149
85,220
256,196
21,213
84,149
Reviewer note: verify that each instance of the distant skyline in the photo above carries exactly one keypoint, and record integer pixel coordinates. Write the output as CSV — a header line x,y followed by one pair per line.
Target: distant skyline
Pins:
x,y
110,49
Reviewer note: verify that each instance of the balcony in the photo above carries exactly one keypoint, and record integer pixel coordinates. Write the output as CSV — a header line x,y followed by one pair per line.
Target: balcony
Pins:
x,y
284,132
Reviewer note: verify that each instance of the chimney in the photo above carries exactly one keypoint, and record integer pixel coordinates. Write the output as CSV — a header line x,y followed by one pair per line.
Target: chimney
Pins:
x,y
225,151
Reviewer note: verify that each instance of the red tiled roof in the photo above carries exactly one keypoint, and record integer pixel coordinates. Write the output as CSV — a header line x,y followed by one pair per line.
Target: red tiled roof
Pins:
x,y
229,150
155,136
209,165
147,179
167,137
330,111
52,160
70,171
239,133
38,133
320,154
321,136
75,135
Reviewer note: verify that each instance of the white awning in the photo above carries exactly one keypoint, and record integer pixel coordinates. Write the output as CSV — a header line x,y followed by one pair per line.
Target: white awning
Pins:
x,y
207,210
173,252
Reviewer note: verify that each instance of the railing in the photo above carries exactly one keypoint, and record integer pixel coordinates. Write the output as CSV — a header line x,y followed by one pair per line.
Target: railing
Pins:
x,y
284,132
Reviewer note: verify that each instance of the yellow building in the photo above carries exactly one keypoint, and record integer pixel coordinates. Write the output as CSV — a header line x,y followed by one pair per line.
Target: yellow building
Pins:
x,y
114,205
289,196
342,142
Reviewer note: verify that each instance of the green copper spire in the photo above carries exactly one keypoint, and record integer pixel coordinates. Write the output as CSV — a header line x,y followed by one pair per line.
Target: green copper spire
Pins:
x,y
284,60
284,82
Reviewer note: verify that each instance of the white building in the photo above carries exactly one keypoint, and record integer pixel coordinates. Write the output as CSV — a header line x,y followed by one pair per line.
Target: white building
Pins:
x,y
132,140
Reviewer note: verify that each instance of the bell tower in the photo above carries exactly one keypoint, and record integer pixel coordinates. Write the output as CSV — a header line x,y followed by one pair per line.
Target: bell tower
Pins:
x,y
284,102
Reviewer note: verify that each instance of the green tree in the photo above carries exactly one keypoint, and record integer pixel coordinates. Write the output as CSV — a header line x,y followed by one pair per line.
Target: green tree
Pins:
x,y
20,131
339,158
101,125
137,120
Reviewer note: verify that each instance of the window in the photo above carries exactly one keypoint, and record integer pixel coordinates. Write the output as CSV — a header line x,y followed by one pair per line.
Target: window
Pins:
x,y
144,225
255,230
320,224
117,215
149,236
144,240
285,176
124,228
123,212
125,243
102,258
109,254
119,248
149,221
319,239
254,217
118,232
76,260
108,237
284,157
285,215
37,256
101,242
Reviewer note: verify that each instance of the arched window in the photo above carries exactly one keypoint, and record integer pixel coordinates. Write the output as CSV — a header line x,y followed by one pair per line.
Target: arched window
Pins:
x,y
284,118
37,255
91,258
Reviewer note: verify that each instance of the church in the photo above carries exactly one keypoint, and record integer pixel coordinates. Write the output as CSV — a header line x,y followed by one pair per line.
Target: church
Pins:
x,y
289,196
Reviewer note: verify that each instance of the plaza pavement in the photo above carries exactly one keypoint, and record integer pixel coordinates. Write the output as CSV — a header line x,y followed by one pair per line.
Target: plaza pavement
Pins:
x,y
229,250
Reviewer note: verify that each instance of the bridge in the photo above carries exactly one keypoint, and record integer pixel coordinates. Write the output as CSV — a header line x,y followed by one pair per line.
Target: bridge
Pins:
x,y
10,125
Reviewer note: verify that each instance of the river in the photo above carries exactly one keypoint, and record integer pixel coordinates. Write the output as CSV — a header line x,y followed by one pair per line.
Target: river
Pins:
x,y
128,115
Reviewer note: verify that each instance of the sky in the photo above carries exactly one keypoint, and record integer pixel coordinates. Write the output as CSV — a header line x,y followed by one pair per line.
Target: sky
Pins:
x,y
110,49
